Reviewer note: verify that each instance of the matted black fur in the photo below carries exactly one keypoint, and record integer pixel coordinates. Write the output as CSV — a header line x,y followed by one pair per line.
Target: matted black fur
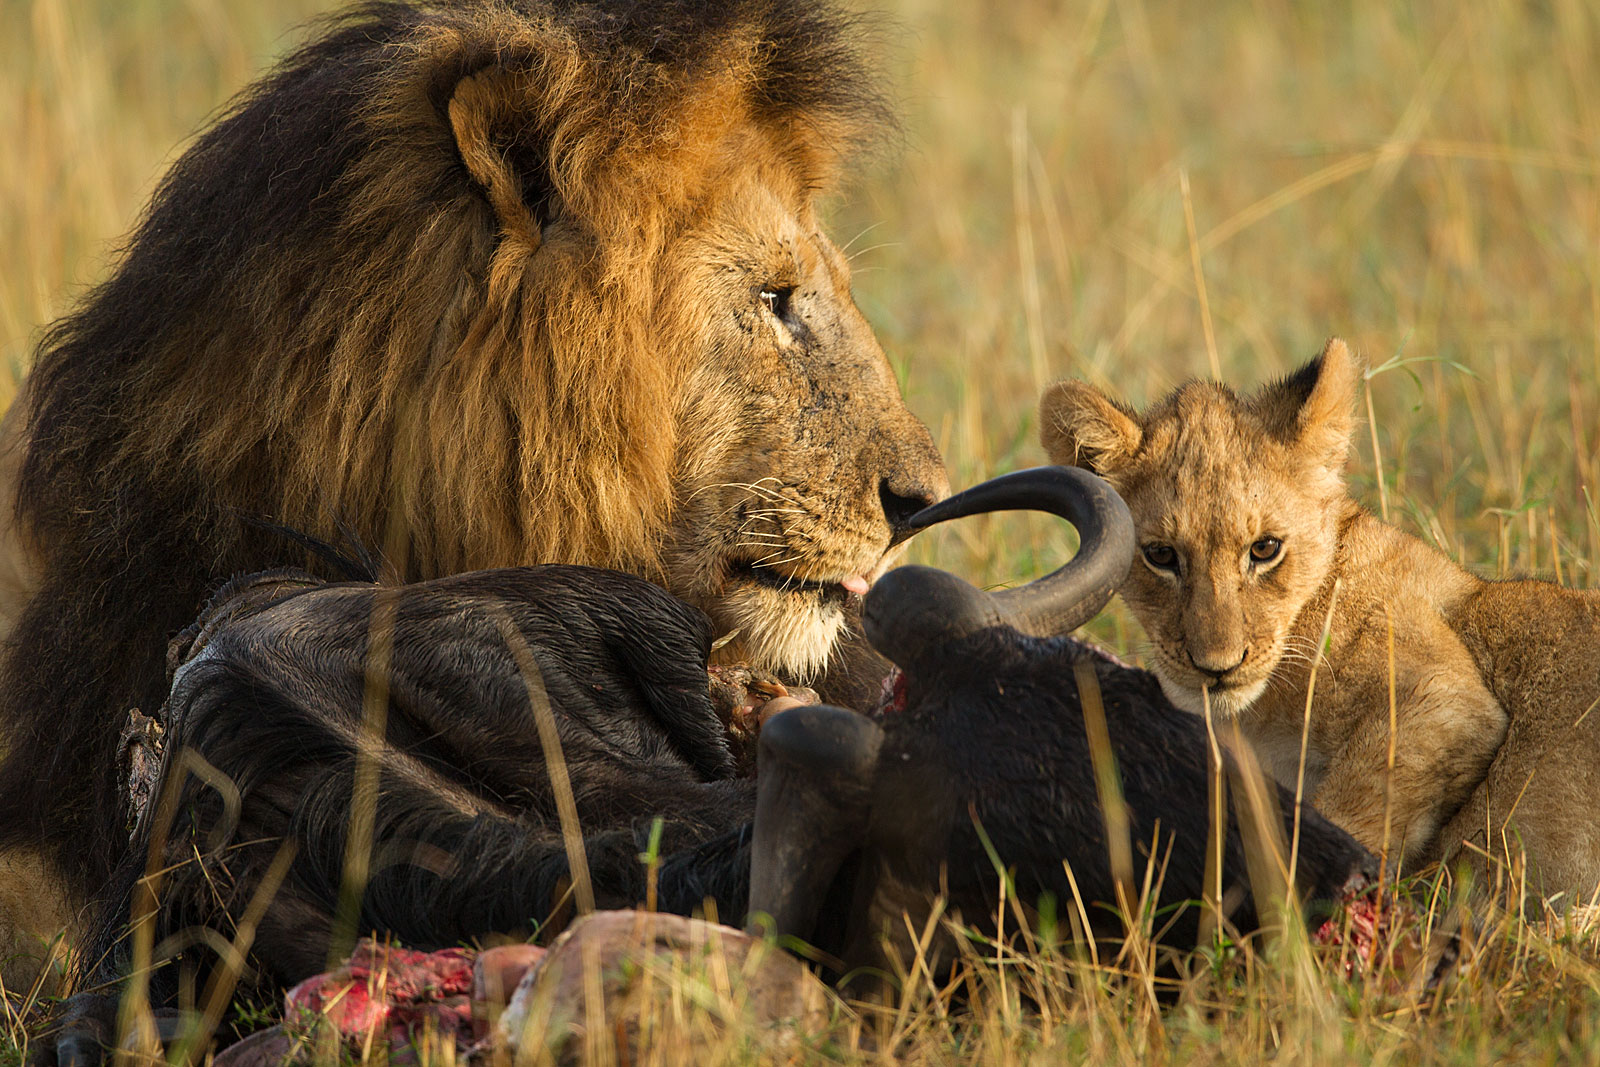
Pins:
x,y
131,534
467,839
1002,713
988,766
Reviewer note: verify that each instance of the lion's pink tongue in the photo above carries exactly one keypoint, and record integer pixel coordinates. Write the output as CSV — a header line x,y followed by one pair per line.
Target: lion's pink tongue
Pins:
x,y
856,584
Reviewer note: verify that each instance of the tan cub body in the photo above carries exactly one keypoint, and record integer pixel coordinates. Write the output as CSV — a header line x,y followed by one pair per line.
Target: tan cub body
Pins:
x,y
1244,526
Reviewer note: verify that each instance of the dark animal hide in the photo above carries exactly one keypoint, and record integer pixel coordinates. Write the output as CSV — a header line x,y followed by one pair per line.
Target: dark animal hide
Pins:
x,y
1003,753
272,690
1034,720
986,737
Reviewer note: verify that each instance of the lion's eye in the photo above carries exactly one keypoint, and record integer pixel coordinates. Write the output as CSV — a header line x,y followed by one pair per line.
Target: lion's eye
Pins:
x,y
776,300
1161,557
1265,549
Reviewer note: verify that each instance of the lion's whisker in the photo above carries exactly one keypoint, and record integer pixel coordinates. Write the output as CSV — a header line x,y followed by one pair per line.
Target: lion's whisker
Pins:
x,y
868,228
873,248
752,487
777,550
770,535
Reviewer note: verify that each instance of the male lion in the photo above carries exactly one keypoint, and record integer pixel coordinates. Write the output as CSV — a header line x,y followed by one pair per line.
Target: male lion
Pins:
x,y
1245,526
480,283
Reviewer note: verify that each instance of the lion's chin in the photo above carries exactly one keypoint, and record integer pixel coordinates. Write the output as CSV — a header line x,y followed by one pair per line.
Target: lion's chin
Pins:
x,y
792,634
1224,702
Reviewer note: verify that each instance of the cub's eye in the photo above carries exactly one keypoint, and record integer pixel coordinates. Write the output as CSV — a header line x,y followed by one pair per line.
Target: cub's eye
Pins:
x,y
1161,557
776,299
1265,549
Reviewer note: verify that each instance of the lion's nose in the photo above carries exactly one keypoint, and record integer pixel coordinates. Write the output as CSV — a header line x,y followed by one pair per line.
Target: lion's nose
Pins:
x,y
900,502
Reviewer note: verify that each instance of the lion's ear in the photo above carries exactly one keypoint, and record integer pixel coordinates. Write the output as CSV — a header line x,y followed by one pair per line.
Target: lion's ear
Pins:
x,y
1079,426
482,112
1315,406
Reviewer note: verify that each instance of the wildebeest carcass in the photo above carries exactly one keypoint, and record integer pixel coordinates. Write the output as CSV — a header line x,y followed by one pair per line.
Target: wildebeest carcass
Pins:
x,y
858,816
862,821
292,698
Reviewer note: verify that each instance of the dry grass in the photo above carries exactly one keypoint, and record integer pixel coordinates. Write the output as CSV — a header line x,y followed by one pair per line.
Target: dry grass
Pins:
x,y
1136,193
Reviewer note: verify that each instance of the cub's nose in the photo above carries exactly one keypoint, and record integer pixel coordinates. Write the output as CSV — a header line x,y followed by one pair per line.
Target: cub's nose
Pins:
x,y
902,501
1216,664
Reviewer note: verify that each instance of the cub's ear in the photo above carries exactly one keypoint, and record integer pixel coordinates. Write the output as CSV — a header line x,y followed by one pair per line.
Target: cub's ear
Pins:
x,y
1079,426
484,114
1315,406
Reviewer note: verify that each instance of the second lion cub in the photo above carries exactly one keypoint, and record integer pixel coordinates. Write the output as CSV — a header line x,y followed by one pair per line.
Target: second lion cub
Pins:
x,y
1244,524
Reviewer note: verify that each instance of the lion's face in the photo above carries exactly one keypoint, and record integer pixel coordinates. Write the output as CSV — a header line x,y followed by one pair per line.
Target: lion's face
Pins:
x,y
1236,504
798,462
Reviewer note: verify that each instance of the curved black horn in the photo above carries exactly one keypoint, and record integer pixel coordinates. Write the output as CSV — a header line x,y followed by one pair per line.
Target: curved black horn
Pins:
x,y
911,607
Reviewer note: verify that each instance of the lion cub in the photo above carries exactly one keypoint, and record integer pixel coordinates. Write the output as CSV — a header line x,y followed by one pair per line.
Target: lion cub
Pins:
x,y
1244,525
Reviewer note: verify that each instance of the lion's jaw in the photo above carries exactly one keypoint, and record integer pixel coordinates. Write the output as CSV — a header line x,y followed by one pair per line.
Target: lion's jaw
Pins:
x,y
798,460
794,634
782,600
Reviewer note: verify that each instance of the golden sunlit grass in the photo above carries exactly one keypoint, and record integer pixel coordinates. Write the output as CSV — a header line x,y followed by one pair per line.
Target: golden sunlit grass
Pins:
x,y
1134,192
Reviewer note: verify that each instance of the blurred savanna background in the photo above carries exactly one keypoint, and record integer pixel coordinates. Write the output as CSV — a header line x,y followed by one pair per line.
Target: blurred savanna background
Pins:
x,y
1131,191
